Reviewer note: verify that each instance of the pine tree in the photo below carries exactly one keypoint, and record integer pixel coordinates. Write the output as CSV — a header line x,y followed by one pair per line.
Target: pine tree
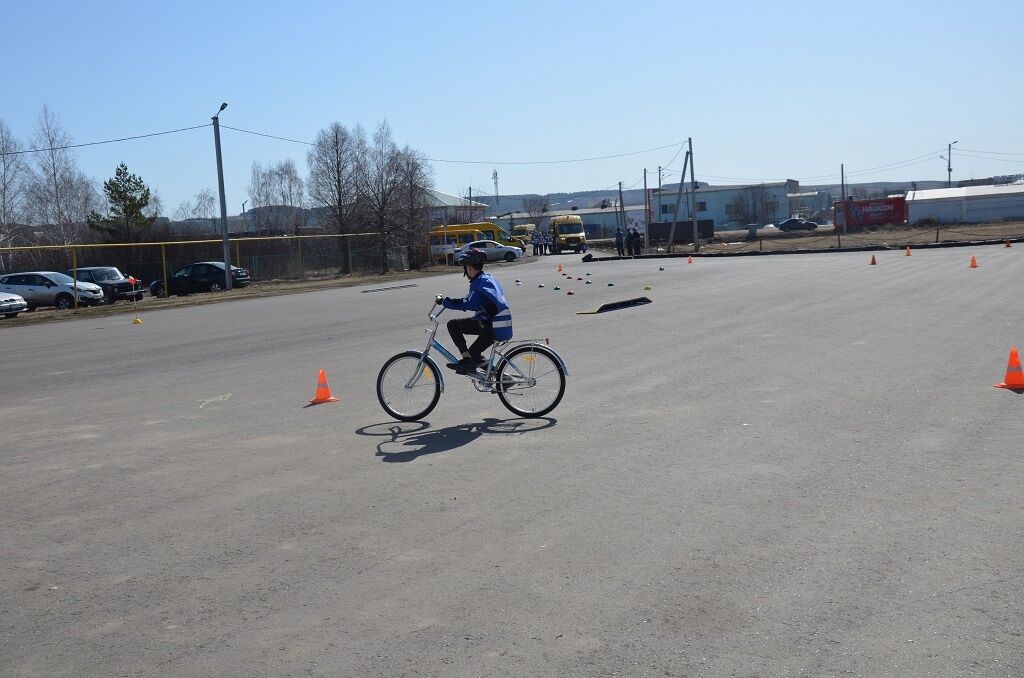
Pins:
x,y
127,198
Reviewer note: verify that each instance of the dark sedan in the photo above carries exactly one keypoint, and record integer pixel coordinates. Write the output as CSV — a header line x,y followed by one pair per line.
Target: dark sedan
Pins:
x,y
202,276
797,224
115,285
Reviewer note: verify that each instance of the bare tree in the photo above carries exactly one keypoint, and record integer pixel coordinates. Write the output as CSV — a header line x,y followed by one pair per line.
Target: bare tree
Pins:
x,y
535,205
13,175
261,198
380,188
332,180
60,195
416,178
201,207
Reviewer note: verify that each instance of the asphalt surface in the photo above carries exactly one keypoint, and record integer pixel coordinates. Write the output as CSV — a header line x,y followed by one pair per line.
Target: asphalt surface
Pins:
x,y
789,465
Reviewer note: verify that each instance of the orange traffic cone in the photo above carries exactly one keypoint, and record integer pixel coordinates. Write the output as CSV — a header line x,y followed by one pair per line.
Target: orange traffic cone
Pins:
x,y
908,251
1008,244
1014,379
559,268
323,391
974,262
873,262
689,260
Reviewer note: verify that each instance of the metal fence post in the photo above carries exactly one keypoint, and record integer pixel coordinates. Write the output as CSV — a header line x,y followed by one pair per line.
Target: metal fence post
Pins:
x,y
74,272
163,257
302,269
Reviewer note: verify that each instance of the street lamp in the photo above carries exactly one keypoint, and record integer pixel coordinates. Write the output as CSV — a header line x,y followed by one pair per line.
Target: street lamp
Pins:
x,y
223,203
949,165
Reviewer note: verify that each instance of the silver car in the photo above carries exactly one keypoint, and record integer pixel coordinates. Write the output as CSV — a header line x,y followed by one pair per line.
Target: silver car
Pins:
x,y
494,251
49,288
11,305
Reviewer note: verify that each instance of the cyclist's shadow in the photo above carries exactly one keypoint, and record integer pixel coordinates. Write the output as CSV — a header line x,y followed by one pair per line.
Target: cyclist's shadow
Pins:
x,y
407,441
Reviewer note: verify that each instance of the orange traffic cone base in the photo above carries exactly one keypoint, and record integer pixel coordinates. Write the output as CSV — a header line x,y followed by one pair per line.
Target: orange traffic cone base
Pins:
x,y
1014,379
323,391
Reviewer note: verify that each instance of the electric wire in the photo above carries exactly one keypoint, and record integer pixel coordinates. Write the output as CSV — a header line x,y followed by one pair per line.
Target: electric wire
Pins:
x,y
106,141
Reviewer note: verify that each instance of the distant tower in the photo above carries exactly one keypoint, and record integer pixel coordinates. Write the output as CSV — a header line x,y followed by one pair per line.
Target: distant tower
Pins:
x,y
494,176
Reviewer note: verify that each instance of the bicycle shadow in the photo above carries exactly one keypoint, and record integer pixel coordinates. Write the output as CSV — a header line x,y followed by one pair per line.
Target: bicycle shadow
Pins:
x,y
408,441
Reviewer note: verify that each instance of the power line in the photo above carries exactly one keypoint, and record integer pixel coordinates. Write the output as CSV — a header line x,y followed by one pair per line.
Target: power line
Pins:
x,y
972,150
269,136
108,141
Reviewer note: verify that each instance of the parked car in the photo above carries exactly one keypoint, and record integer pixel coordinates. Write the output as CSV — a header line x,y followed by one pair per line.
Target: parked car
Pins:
x,y
202,276
113,283
797,224
49,288
11,304
494,250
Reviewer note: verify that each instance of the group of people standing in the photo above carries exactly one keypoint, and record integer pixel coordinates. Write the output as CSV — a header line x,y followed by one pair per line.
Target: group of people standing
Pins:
x,y
630,243
543,243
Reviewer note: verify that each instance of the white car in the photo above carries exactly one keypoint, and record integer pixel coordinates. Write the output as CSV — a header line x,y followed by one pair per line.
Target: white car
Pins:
x,y
495,251
11,305
49,288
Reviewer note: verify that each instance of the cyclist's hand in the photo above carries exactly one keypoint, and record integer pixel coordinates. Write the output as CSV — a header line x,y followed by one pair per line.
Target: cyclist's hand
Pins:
x,y
439,299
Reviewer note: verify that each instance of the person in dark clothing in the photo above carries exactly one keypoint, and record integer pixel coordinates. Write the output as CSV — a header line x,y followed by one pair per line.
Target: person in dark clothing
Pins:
x,y
493,318
619,242
638,243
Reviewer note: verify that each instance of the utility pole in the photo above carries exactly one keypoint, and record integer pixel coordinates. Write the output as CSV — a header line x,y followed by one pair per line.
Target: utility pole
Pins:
x,y
693,208
949,165
842,199
496,203
223,203
622,206
245,221
647,211
659,194
679,197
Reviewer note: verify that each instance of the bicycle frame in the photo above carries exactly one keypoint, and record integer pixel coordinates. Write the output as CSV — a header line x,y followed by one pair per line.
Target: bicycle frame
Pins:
x,y
483,382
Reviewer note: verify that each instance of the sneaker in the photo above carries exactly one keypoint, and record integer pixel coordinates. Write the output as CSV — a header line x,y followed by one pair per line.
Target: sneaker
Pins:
x,y
469,365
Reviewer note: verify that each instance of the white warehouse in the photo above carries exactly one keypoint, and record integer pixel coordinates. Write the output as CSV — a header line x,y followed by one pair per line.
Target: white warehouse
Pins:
x,y
969,204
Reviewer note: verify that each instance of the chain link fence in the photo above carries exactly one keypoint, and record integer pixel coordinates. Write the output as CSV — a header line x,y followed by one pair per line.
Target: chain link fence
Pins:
x,y
297,257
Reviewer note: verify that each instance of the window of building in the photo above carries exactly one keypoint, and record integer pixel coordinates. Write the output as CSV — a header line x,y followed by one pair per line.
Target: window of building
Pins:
x,y
702,206
668,209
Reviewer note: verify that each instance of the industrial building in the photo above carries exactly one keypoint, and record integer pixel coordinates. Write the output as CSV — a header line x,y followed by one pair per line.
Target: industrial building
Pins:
x,y
968,204
729,206
597,222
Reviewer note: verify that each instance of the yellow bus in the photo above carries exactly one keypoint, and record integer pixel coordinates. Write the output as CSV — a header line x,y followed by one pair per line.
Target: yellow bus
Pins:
x,y
567,233
444,240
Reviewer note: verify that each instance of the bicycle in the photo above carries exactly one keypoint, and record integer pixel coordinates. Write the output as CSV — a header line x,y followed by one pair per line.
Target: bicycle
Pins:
x,y
528,376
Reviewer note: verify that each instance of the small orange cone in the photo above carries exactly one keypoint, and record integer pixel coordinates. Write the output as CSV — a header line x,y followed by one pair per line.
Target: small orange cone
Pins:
x,y
1014,379
908,251
323,391
873,262
689,260
1008,244
559,268
974,262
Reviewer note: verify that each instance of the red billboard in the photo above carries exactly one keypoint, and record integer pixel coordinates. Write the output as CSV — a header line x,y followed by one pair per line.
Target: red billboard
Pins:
x,y
860,213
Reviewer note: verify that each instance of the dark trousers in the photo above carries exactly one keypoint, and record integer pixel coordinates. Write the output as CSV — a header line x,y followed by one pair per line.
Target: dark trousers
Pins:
x,y
463,326
619,247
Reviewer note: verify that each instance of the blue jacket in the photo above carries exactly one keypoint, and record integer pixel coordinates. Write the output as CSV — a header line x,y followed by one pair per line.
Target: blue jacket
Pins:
x,y
488,299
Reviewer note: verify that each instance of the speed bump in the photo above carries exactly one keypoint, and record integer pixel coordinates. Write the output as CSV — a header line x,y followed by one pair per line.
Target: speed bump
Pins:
x,y
616,305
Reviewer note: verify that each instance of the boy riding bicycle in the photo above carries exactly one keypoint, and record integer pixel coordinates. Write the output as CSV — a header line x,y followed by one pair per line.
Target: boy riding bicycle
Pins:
x,y
493,320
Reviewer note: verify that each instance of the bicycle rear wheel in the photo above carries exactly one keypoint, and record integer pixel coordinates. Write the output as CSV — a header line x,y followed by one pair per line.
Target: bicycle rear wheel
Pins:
x,y
531,381
399,398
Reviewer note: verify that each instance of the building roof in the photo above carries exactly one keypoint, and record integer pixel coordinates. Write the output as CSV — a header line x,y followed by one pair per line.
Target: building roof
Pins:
x,y
438,199
1010,190
673,188
560,213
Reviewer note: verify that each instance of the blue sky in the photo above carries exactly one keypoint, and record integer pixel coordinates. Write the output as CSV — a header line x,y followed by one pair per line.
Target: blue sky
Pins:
x,y
768,91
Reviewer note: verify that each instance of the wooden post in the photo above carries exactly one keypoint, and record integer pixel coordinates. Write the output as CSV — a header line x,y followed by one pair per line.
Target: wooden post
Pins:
x,y
302,270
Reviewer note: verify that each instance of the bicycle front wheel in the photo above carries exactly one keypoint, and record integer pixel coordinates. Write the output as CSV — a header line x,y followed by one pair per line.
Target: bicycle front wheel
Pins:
x,y
531,381
404,397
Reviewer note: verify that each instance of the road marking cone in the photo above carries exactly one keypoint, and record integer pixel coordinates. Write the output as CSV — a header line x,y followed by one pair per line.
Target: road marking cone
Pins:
x,y
570,293
323,391
559,268
1008,244
908,251
689,260
579,278
1014,379
593,274
588,282
873,262
974,261
611,284
661,268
